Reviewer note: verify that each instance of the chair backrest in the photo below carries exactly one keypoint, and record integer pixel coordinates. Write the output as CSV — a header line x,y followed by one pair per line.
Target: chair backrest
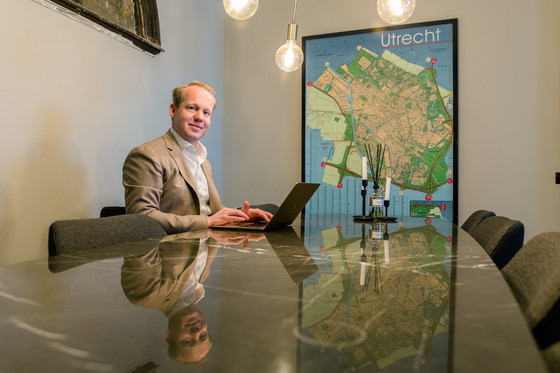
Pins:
x,y
83,234
476,217
107,211
534,276
547,330
501,237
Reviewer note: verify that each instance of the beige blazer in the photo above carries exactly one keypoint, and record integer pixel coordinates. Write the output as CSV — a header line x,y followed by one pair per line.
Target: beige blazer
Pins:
x,y
157,182
157,278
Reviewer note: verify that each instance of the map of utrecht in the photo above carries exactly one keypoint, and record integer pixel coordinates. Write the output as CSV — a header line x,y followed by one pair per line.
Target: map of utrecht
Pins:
x,y
389,87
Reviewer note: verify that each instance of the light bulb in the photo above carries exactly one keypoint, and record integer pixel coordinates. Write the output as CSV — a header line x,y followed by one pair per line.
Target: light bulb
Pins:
x,y
241,9
395,11
289,56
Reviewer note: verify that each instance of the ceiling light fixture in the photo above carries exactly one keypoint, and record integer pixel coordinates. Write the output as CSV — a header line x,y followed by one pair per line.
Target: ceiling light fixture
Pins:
x,y
395,11
289,57
241,9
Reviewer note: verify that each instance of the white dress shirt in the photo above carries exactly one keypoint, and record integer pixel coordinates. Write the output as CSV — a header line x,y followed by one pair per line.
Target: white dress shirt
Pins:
x,y
195,156
194,290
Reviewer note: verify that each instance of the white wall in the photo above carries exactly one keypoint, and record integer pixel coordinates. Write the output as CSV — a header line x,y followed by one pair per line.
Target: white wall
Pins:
x,y
75,101
509,101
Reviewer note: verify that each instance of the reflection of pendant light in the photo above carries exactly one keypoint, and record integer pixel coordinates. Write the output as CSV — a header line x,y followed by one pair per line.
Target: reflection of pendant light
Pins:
x,y
395,11
289,56
241,9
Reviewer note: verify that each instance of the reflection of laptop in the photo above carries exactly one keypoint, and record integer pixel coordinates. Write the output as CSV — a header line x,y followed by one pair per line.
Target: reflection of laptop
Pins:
x,y
286,214
292,253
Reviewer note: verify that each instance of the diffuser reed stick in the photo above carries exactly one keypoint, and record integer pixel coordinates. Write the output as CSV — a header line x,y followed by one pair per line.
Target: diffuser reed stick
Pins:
x,y
375,164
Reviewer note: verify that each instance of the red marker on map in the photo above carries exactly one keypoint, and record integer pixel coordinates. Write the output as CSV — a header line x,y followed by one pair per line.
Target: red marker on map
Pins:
x,y
449,181
339,185
309,84
434,60
428,221
323,164
428,197
448,239
443,207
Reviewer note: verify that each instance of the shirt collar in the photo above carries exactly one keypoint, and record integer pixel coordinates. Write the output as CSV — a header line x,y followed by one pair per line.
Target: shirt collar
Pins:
x,y
184,144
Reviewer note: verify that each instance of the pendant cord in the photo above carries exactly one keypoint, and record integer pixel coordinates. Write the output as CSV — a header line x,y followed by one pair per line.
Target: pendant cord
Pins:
x,y
294,15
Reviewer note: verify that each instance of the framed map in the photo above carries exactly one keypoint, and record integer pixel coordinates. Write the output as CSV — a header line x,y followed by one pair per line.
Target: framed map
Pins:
x,y
395,87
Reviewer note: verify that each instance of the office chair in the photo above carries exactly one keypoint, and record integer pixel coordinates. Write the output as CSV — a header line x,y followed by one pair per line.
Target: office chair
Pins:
x,y
107,211
500,237
534,277
82,234
476,217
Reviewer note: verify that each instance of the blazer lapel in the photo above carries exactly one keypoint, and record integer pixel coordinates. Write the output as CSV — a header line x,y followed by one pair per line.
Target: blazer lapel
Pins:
x,y
177,155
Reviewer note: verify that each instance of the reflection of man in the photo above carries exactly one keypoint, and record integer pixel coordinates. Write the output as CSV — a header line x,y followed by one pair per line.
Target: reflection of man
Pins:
x,y
171,180
187,336
169,278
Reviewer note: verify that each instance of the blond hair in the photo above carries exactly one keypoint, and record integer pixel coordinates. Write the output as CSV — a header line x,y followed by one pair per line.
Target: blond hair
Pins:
x,y
178,92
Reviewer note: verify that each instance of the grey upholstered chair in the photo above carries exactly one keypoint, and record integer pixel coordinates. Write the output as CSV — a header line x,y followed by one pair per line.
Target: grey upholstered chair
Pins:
x,y
534,277
547,331
501,237
83,234
70,259
476,217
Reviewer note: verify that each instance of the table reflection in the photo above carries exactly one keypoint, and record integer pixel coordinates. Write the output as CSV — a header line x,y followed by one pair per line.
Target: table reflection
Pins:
x,y
377,294
328,295
170,278
382,294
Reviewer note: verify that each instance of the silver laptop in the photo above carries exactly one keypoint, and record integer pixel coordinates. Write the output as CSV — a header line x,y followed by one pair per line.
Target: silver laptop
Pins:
x,y
286,214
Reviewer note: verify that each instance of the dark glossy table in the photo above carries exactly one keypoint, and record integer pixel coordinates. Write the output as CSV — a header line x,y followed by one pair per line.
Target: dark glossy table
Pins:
x,y
326,295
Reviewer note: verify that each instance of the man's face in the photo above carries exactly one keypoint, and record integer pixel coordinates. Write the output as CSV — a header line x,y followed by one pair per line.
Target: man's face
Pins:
x,y
188,332
191,119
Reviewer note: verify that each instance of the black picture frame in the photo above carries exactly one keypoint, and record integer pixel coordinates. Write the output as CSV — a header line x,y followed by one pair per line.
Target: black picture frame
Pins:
x,y
378,86
144,34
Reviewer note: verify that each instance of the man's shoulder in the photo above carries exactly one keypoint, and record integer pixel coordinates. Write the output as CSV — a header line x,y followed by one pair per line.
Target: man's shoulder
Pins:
x,y
158,144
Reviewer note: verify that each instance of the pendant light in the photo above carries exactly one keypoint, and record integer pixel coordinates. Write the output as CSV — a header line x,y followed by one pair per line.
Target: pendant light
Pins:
x,y
289,57
395,11
241,9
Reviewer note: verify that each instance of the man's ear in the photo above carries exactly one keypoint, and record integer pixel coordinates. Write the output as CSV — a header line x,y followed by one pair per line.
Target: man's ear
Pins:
x,y
172,109
167,336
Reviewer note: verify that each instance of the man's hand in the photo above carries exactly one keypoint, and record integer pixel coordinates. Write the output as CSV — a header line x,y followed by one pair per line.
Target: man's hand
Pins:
x,y
225,237
255,214
227,215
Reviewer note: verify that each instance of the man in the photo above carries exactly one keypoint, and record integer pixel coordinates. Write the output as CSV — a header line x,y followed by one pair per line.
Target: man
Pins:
x,y
171,180
170,278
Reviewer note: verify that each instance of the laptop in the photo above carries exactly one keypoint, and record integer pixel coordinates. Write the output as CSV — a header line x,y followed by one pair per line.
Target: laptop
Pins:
x,y
286,214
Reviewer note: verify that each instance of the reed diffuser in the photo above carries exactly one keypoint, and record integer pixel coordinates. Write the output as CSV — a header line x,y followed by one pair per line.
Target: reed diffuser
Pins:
x,y
375,162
